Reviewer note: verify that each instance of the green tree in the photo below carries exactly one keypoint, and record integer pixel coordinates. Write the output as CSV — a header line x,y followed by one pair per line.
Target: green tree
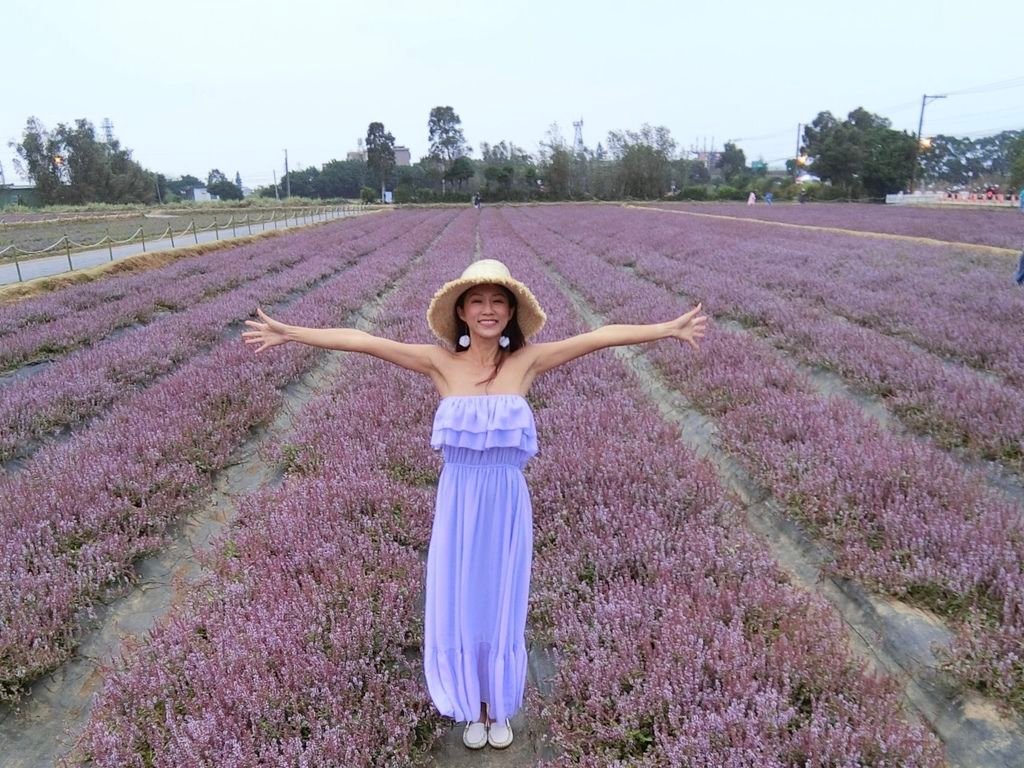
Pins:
x,y
500,153
861,154
183,187
304,182
956,161
461,171
39,159
951,161
215,176
491,174
506,165
447,141
225,190
644,160
559,172
733,163
380,154
506,176
70,166
889,158
834,148
343,178
1017,164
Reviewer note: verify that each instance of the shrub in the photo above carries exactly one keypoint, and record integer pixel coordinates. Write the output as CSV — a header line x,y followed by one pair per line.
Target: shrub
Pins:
x,y
693,193
725,192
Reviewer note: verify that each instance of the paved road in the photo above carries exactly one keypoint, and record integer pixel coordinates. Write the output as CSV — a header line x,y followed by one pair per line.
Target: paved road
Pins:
x,y
56,264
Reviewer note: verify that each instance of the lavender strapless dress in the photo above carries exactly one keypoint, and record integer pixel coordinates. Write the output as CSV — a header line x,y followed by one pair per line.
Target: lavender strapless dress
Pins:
x,y
481,548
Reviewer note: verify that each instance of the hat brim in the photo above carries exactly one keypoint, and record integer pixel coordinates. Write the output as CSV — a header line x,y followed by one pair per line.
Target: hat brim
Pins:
x,y
441,312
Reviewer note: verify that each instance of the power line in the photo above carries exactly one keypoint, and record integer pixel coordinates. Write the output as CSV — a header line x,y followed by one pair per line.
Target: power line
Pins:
x,y
986,132
775,135
1008,111
1016,82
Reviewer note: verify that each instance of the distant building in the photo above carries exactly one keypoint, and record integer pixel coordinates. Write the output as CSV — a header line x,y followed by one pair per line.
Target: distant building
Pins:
x,y
200,194
18,194
709,159
402,156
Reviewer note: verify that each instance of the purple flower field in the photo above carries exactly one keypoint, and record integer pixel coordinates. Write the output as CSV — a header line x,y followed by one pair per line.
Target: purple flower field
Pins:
x,y
1002,227
261,665
903,518
677,639
79,512
843,306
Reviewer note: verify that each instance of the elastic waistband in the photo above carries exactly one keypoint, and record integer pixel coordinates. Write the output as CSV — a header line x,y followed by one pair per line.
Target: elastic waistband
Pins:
x,y
461,465
491,457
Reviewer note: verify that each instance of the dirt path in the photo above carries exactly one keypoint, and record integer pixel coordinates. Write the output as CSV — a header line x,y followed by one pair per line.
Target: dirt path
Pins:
x,y
528,745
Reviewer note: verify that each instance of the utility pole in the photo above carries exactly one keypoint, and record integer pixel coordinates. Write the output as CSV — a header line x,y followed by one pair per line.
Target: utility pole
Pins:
x,y
917,144
287,177
276,195
796,155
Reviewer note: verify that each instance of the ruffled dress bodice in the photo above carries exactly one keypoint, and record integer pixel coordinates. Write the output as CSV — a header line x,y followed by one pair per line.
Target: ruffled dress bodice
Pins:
x,y
485,430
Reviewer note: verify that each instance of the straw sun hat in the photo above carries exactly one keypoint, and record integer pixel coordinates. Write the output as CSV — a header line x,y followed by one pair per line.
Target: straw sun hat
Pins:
x,y
441,314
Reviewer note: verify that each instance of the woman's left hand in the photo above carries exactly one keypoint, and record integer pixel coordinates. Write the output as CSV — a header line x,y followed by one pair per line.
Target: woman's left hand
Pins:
x,y
689,327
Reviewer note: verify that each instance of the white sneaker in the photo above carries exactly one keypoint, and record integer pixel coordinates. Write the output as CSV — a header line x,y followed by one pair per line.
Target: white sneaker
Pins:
x,y
475,735
500,734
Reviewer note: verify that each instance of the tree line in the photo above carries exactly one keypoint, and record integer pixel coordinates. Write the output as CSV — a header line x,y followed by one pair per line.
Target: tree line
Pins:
x,y
859,157
70,165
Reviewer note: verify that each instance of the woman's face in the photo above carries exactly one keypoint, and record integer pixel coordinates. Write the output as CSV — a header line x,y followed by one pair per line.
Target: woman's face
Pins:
x,y
486,310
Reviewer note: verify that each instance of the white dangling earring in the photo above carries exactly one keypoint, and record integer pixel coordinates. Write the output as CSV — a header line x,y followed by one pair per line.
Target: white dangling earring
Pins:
x,y
503,342
464,341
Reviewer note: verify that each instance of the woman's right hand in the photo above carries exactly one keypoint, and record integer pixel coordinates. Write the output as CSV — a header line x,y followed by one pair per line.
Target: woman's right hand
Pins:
x,y
269,333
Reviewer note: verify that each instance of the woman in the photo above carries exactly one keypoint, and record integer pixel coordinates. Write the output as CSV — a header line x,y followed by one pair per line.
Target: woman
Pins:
x,y
478,564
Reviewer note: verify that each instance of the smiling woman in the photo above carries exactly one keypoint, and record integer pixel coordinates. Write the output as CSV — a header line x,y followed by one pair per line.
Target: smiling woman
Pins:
x,y
481,545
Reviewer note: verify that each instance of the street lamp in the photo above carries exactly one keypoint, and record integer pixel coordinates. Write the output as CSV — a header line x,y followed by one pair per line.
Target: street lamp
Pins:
x,y
920,144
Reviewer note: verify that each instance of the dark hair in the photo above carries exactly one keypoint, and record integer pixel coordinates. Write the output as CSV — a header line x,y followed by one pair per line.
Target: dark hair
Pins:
x,y
516,340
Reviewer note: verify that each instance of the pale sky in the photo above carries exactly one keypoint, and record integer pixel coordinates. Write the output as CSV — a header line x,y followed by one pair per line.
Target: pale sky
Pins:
x,y
192,85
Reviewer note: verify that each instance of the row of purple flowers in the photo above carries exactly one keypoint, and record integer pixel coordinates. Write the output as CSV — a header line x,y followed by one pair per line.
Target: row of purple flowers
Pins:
x,y
901,516
896,300
88,381
49,326
1000,228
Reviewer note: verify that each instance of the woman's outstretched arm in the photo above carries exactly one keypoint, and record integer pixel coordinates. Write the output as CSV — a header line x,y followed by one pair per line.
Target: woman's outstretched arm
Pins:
x,y
269,333
689,328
